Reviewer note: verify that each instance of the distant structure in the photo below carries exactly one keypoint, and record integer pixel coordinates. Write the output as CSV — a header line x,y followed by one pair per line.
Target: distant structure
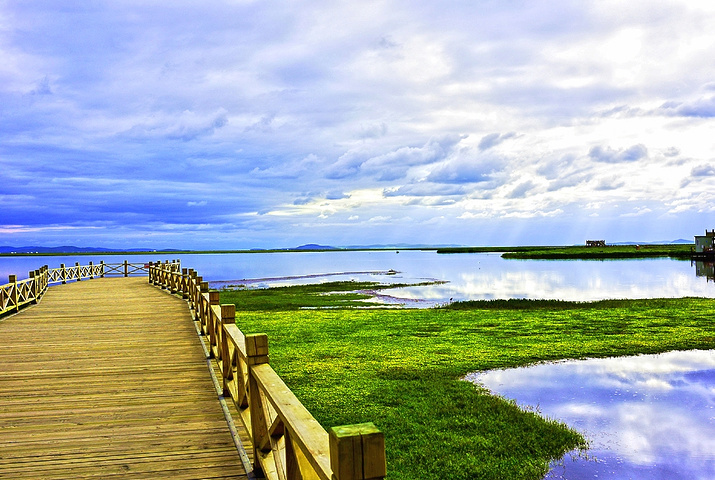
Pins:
x,y
705,244
595,243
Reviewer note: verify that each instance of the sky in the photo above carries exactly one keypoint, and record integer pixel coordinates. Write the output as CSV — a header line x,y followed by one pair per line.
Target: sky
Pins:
x,y
263,124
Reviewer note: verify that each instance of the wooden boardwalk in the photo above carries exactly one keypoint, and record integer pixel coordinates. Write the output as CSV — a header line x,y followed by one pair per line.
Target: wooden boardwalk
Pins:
x,y
106,378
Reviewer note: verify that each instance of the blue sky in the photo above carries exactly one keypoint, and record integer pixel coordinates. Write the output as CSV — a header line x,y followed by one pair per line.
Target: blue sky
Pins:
x,y
248,124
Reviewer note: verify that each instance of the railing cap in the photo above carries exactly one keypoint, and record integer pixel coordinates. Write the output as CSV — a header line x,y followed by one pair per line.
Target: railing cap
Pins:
x,y
256,344
228,313
214,297
357,452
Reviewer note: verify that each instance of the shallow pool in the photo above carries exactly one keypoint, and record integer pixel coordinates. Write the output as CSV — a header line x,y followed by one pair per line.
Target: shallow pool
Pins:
x,y
645,417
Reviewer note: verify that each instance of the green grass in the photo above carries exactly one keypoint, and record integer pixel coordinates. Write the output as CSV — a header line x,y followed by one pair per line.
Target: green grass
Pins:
x,y
401,368
608,252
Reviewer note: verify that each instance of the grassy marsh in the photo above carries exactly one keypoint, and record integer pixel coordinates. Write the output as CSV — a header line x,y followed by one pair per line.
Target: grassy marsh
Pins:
x,y
683,251
401,368
345,294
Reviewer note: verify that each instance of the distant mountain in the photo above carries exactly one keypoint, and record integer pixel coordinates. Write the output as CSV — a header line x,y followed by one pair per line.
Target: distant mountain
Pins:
x,y
402,245
73,249
313,246
662,242
64,249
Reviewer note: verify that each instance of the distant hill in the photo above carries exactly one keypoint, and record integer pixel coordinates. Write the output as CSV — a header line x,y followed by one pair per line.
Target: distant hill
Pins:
x,y
73,249
64,249
313,246
680,241
403,245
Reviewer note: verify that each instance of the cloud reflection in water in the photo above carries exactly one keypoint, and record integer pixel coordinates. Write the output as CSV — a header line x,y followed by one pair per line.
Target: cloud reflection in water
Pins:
x,y
646,417
488,276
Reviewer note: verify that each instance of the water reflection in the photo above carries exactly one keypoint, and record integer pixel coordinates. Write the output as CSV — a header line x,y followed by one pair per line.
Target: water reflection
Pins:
x,y
705,269
495,278
646,417
469,276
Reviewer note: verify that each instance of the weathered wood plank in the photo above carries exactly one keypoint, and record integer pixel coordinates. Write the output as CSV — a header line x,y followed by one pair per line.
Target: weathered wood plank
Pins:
x,y
106,378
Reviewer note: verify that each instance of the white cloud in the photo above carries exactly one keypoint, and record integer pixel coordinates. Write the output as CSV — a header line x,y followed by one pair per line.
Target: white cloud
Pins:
x,y
703,171
610,155
339,111
494,139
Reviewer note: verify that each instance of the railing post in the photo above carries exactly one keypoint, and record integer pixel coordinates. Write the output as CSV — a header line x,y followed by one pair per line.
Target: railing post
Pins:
x,y
192,290
357,452
91,270
165,276
35,280
162,275
228,317
14,296
101,269
198,280
126,268
184,283
210,327
257,354
79,271
43,282
64,273
173,282
214,298
204,308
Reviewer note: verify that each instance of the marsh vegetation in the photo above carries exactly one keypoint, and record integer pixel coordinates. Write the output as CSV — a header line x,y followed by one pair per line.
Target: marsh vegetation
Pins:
x,y
681,251
402,369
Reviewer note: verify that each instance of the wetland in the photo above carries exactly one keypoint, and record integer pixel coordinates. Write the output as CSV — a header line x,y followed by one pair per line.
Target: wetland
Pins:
x,y
403,369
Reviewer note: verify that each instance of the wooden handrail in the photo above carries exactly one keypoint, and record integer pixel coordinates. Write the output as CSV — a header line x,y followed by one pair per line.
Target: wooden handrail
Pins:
x,y
288,442
16,294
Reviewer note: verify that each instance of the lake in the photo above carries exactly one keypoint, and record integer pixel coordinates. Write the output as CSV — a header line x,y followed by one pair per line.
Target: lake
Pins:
x,y
468,276
646,417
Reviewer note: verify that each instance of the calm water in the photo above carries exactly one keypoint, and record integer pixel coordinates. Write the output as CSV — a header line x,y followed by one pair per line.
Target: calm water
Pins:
x,y
646,417
468,276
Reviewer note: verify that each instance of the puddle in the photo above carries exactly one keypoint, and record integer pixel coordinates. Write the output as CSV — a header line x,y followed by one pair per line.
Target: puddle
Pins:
x,y
645,417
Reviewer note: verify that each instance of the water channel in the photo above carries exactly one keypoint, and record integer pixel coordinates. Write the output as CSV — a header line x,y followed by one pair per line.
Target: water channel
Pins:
x,y
646,417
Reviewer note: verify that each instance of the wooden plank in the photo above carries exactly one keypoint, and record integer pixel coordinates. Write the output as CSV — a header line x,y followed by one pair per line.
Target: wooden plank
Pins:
x,y
105,378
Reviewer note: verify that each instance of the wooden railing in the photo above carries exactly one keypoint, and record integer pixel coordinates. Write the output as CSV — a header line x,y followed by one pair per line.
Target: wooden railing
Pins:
x,y
16,294
288,443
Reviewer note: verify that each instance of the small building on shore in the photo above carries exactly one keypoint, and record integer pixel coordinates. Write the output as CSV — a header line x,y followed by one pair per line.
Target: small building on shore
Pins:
x,y
705,244
595,243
